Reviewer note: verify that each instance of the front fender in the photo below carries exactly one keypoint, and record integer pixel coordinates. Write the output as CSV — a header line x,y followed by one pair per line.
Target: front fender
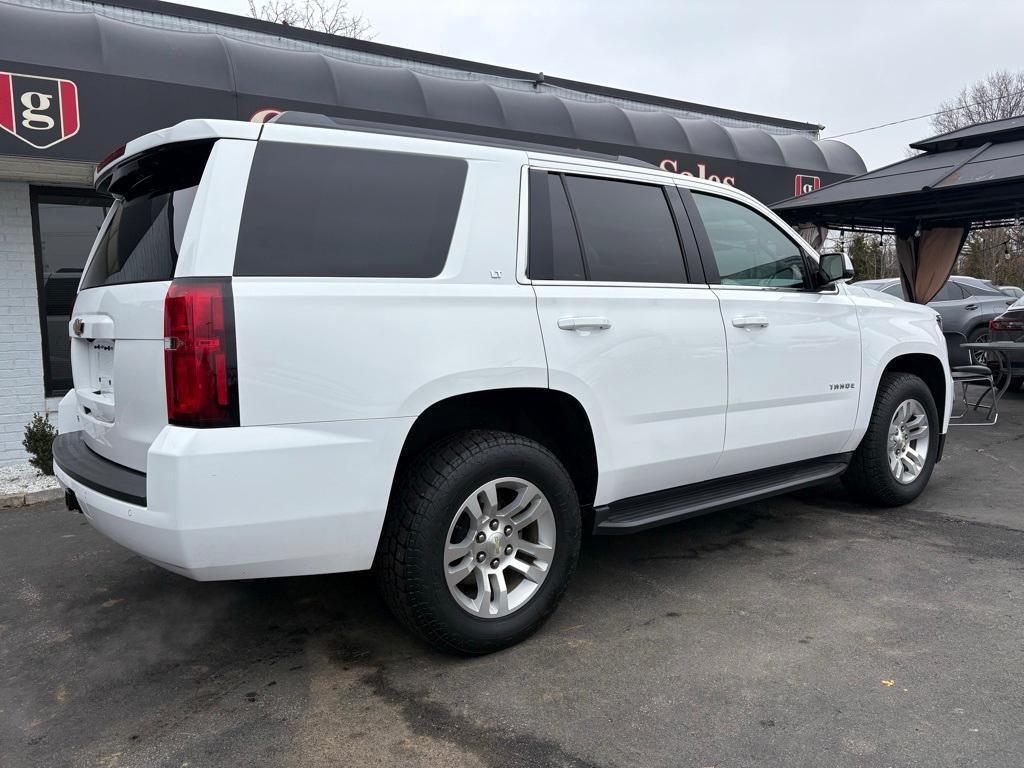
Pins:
x,y
888,331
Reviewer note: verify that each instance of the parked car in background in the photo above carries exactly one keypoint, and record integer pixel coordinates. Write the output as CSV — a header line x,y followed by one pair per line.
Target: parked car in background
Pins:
x,y
965,303
1009,326
1012,290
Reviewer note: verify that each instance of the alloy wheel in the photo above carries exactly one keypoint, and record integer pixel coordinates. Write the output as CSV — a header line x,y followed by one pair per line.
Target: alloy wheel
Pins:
x,y
499,548
980,356
908,441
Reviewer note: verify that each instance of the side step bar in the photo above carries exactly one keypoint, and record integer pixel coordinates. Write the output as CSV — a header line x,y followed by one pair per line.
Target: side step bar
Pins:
x,y
651,509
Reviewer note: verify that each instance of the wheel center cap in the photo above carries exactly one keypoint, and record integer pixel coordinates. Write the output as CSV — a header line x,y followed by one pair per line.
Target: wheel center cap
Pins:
x,y
495,543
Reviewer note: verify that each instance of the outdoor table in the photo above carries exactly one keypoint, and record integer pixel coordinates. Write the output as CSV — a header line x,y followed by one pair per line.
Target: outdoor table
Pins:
x,y
1000,348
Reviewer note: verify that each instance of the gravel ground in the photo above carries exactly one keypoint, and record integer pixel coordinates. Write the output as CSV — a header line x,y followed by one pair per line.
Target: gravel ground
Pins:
x,y
24,478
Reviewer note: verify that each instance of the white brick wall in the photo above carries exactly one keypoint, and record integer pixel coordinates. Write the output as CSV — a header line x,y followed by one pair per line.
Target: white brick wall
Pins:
x,y
21,358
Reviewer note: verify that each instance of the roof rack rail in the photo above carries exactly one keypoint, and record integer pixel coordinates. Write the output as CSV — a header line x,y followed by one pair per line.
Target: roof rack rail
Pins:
x,y
467,134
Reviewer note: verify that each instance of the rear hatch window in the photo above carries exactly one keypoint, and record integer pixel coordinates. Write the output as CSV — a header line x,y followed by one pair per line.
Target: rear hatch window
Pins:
x,y
143,235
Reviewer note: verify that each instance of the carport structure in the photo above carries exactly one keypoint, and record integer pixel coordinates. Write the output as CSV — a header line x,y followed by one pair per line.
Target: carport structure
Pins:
x,y
971,178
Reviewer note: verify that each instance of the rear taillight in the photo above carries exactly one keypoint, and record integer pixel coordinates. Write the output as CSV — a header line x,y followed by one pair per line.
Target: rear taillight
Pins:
x,y
199,354
1005,324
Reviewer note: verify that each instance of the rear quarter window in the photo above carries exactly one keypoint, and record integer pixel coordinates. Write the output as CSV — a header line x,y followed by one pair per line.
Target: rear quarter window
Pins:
x,y
315,211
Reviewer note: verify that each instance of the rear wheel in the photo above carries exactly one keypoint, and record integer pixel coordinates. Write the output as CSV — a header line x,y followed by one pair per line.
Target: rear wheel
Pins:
x,y
480,543
979,336
894,461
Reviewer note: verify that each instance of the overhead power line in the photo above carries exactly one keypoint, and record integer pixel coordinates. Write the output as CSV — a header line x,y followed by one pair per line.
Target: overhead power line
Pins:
x,y
922,117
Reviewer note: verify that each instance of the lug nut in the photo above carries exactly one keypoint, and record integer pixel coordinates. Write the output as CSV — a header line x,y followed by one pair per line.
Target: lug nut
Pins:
x,y
508,530
480,556
494,525
495,563
480,537
508,550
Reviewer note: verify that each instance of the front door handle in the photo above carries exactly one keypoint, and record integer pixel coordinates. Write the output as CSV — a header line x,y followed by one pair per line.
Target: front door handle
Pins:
x,y
751,321
971,307
584,323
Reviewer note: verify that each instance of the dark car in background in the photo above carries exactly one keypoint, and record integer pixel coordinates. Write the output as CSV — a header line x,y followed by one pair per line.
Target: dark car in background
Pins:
x,y
1009,326
966,304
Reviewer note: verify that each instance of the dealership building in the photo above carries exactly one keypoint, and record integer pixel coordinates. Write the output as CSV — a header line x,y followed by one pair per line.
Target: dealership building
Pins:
x,y
78,79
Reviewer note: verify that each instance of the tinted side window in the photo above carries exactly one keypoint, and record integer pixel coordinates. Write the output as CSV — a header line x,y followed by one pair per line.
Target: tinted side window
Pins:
x,y
627,230
748,248
895,290
949,292
342,212
970,289
554,247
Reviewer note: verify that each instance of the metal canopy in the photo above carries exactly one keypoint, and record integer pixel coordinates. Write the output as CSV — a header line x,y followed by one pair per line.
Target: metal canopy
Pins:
x,y
972,177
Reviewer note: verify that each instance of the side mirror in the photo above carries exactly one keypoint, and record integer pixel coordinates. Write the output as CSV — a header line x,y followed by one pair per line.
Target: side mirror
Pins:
x,y
834,266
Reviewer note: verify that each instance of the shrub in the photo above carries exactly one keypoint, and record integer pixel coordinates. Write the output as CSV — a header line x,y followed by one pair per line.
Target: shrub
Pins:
x,y
38,441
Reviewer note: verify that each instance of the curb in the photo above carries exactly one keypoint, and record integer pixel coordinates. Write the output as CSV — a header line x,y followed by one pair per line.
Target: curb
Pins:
x,y
15,500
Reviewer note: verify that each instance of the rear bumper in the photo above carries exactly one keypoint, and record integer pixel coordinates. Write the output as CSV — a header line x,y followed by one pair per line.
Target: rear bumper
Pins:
x,y
78,462
246,502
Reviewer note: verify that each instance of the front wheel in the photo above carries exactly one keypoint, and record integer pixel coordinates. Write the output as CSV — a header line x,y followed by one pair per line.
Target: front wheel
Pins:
x,y
894,461
481,540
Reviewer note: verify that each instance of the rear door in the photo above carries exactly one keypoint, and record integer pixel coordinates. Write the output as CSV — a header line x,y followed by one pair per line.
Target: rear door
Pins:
x,y
627,330
794,352
117,326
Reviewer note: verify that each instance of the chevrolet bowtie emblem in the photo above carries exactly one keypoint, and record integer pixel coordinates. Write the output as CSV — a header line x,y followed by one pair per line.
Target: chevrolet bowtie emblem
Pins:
x,y
78,326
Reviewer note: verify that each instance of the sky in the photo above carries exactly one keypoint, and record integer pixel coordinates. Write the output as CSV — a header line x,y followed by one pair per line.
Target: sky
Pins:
x,y
845,65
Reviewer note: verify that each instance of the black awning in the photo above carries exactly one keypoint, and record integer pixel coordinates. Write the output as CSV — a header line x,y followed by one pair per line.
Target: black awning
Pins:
x,y
132,79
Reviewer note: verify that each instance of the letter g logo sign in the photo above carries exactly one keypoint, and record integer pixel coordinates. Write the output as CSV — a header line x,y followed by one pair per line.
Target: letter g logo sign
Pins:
x,y
40,111
36,105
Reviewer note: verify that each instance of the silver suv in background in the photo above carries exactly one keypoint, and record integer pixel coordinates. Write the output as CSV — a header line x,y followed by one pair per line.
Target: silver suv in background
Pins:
x,y
965,303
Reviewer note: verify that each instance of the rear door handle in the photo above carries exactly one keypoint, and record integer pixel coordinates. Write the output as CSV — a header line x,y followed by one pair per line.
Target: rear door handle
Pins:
x,y
971,307
584,323
751,321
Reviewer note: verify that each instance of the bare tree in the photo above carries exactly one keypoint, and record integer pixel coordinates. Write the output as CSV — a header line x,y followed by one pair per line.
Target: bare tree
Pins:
x,y
330,16
996,254
999,95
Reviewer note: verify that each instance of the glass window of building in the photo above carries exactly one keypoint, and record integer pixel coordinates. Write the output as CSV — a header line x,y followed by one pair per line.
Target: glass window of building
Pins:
x,y
66,226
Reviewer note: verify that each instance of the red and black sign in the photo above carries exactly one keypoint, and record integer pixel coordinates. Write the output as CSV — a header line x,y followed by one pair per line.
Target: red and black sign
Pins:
x,y
804,184
41,111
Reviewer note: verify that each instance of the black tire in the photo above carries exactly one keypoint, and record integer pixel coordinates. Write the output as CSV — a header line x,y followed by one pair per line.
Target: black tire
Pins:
x,y
409,561
868,476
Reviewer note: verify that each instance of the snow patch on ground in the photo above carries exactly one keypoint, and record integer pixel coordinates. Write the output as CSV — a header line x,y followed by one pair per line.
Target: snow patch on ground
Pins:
x,y
24,478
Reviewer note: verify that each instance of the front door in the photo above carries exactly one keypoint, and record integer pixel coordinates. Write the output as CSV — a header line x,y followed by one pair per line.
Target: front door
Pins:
x,y
625,331
794,352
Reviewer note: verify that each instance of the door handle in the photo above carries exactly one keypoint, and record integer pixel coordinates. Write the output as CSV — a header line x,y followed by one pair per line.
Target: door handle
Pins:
x,y
584,323
971,307
752,321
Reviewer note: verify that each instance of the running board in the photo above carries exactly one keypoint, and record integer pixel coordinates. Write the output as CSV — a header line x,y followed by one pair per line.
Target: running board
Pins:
x,y
651,509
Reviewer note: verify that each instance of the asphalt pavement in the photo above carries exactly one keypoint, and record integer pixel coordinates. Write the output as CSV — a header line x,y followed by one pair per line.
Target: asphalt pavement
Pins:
x,y
801,631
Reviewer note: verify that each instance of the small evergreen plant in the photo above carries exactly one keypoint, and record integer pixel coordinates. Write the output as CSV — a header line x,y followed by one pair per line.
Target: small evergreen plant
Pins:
x,y
38,441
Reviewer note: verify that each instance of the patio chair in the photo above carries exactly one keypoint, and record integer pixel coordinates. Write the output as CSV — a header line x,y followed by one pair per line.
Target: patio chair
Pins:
x,y
964,373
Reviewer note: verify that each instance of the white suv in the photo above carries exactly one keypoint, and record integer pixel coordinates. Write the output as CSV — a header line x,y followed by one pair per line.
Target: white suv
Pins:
x,y
303,348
